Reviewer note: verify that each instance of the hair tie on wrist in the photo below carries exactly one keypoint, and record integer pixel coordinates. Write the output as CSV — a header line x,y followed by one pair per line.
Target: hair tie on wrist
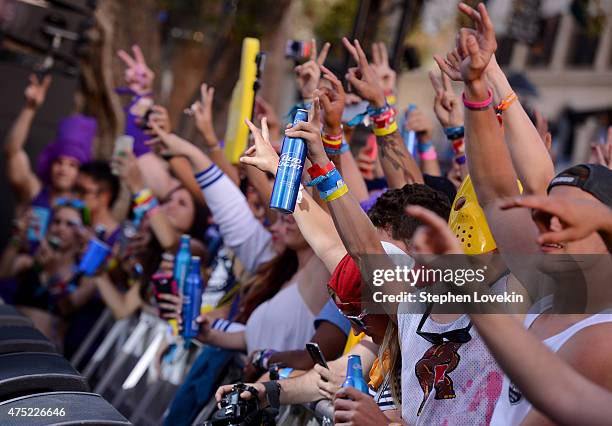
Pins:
x,y
478,106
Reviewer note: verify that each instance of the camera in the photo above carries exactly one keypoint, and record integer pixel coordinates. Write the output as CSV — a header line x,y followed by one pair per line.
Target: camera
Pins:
x,y
298,50
236,411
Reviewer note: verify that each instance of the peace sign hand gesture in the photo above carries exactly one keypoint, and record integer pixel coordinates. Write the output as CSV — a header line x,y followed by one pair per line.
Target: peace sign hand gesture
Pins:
x,y
363,78
138,76
474,47
446,105
308,74
381,67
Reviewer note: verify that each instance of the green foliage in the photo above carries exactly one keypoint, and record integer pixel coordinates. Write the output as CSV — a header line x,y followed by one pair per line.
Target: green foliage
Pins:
x,y
335,19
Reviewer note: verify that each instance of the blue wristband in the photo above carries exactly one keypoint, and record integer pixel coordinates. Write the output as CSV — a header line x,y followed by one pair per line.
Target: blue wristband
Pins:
x,y
425,146
330,182
453,133
284,373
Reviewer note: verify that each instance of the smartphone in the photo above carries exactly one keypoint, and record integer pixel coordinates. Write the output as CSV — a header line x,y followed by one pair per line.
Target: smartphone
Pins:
x,y
315,353
163,283
123,145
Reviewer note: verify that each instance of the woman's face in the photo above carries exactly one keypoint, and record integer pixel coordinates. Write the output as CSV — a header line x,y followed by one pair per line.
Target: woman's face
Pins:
x,y
256,207
293,236
64,171
180,209
65,226
279,232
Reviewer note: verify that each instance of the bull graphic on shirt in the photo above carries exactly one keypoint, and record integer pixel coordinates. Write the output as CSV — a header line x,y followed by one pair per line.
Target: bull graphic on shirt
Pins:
x,y
433,370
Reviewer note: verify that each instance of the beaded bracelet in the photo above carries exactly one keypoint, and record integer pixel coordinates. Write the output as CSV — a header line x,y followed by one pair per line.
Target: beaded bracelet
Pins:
x,y
505,103
461,159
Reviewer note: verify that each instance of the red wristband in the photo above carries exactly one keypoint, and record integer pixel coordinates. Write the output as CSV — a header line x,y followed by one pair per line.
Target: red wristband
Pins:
x,y
315,171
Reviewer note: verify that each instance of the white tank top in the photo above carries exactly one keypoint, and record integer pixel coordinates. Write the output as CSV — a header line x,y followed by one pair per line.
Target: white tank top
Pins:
x,y
283,323
452,384
512,407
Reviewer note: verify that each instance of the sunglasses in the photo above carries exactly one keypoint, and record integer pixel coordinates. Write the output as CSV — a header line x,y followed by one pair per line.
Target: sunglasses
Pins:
x,y
355,320
461,335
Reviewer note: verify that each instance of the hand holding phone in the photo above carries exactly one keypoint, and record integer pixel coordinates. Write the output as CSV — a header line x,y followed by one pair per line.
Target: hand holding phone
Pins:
x,y
316,354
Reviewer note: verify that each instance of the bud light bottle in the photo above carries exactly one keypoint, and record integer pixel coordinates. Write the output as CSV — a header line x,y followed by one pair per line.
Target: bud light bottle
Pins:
x,y
181,262
290,166
354,374
192,300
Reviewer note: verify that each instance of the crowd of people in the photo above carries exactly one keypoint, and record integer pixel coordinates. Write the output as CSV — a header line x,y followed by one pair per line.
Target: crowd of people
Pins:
x,y
274,282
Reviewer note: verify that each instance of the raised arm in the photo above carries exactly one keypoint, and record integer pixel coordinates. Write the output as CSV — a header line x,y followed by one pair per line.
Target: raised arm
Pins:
x,y
398,164
129,171
332,99
20,175
241,231
530,156
315,224
204,122
489,161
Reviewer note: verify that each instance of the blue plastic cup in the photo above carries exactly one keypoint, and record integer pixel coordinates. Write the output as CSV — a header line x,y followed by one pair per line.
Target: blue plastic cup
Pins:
x,y
96,254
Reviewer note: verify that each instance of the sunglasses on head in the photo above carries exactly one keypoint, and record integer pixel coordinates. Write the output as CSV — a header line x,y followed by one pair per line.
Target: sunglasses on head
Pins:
x,y
75,204
461,335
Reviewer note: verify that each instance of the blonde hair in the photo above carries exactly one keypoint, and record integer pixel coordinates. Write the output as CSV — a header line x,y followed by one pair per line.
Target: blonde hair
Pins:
x,y
391,344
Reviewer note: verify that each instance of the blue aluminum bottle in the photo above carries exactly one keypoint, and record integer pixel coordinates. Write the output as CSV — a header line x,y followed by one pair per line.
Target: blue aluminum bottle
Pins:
x,y
354,374
181,262
289,174
192,300
409,136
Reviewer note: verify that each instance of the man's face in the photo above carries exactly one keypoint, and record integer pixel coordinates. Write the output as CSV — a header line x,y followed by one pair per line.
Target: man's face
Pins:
x,y
88,190
593,244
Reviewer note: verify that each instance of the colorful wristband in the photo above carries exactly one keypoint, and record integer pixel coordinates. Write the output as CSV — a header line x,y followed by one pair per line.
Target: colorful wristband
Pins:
x,y
337,151
453,133
505,103
461,159
429,155
337,193
315,170
425,146
386,130
478,106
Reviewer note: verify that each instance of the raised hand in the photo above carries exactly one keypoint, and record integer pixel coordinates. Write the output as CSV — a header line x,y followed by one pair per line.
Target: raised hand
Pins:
x,y
434,236
363,78
129,171
203,115
308,74
603,152
421,124
159,116
261,155
332,101
36,92
310,132
264,109
447,107
474,47
578,217
167,143
380,65
138,76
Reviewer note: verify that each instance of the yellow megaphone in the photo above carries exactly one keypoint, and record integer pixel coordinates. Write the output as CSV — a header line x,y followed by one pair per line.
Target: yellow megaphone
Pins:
x,y
241,104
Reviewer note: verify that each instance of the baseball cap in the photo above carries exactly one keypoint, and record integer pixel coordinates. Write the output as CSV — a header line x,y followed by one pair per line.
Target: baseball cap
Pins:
x,y
592,178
